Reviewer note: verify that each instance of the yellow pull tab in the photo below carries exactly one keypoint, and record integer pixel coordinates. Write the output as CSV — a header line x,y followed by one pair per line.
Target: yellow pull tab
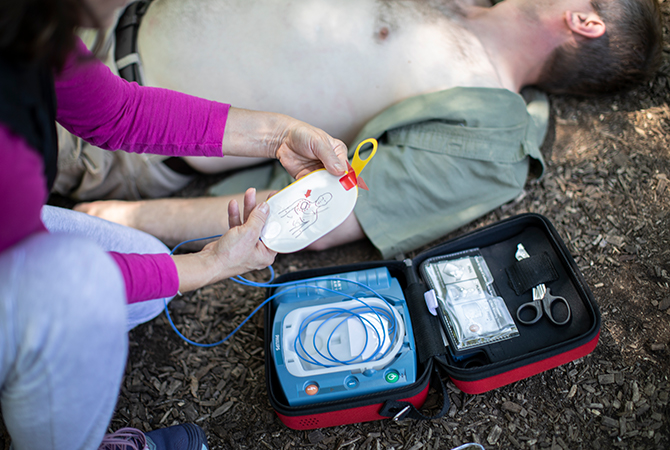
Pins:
x,y
358,164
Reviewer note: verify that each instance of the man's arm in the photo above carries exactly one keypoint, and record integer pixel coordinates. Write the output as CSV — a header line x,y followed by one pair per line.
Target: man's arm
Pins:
x,y
174,220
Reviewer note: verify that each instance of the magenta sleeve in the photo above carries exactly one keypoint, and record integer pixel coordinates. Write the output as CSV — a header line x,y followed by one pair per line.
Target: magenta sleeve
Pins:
x,y
23,188
148,276
113,114
23,184
109,112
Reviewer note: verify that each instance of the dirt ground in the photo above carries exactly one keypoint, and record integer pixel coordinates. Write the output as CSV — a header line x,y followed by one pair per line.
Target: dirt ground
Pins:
x,y
607,192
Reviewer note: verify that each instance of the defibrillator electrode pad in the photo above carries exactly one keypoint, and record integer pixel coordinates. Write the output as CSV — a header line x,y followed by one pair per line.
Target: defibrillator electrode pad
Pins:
x,y
312,206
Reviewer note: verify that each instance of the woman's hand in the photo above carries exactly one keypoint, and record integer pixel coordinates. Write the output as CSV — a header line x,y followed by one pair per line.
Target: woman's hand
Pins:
x,y
303,149
238,251
300,147
241,249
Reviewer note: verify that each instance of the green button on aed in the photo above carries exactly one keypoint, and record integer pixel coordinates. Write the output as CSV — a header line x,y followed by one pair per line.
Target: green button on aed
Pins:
x,y
391,376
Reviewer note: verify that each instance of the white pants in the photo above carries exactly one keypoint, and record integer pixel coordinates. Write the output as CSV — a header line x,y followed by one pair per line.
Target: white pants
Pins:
x,y
63,330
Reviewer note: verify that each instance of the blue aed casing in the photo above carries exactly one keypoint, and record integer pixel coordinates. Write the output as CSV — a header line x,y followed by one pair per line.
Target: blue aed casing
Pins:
x,y
342,336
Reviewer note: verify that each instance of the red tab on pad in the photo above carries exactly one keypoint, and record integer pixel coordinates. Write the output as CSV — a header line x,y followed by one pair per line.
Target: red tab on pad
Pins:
x,y
349,180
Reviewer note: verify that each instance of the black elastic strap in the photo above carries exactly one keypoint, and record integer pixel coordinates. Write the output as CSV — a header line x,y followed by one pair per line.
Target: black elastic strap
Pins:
x,y
530,272
399,410
426,327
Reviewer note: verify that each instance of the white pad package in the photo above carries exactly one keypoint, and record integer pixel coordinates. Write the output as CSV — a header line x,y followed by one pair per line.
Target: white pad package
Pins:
x,y
312,206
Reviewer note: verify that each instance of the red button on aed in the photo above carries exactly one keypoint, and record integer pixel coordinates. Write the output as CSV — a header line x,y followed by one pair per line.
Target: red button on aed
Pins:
x,y
311,389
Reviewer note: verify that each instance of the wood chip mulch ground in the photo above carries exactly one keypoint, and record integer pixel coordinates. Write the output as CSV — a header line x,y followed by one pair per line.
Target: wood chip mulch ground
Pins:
x,y
607,192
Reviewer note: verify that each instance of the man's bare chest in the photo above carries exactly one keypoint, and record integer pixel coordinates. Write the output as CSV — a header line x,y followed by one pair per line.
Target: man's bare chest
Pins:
x,y
320,61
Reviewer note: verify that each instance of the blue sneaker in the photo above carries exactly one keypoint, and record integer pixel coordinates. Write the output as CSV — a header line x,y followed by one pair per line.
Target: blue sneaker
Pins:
x,y
179,437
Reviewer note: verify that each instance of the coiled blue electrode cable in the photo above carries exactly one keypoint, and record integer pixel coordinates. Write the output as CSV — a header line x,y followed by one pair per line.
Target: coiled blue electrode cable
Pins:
x,y
293,285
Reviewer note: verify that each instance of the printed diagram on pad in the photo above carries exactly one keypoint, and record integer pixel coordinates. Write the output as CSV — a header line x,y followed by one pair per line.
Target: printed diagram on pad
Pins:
x,y
309,208
303,213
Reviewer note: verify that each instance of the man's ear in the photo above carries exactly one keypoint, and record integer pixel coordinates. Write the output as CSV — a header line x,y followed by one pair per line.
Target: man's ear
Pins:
x,y
586,24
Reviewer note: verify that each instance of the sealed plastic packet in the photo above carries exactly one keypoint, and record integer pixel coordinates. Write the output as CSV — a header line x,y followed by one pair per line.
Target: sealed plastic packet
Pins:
x,y
474,314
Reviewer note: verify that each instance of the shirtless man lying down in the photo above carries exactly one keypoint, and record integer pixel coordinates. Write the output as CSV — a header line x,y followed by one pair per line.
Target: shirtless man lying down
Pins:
x,y
436,81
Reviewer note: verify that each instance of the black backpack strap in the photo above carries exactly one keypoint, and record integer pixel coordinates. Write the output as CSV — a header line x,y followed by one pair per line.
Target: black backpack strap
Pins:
x,y
127,59
400,410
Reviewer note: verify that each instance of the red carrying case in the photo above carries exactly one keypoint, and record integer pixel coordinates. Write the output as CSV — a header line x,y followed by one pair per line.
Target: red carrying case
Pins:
x,y
537,348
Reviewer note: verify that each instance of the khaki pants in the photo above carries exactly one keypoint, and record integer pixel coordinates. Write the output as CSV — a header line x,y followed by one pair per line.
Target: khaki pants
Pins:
x,y
86,172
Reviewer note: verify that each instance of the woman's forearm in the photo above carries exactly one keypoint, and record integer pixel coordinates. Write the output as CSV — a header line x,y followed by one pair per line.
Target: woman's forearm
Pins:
x,y
253,133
